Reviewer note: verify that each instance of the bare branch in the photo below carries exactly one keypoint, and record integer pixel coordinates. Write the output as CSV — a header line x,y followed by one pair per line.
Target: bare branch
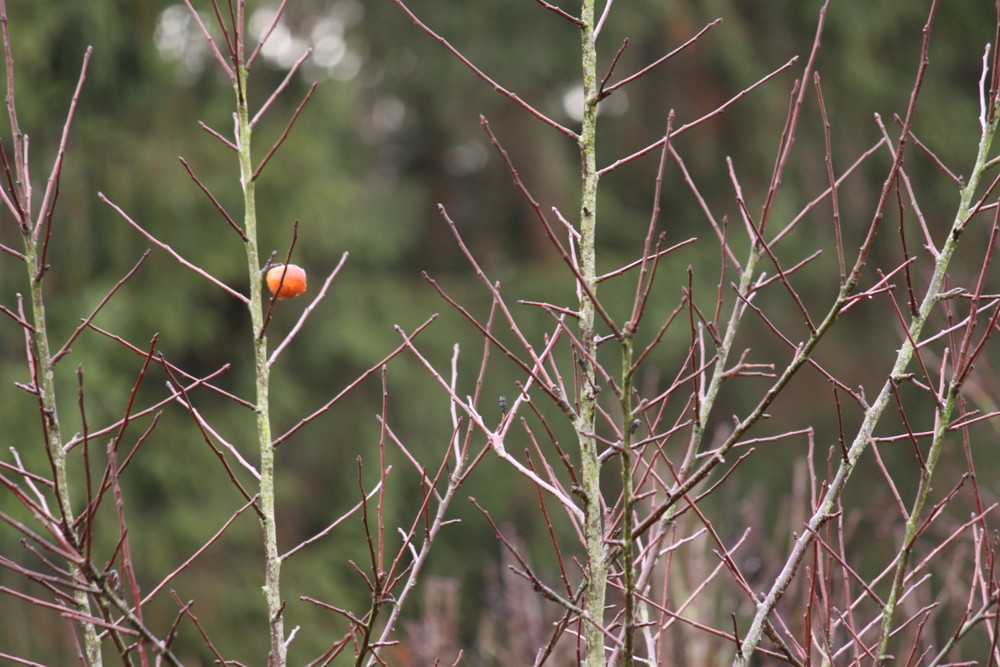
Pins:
x,y
173,253
482,75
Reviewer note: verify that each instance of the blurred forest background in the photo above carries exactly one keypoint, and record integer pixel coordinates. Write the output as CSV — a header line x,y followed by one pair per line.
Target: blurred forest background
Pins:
x,y
392,131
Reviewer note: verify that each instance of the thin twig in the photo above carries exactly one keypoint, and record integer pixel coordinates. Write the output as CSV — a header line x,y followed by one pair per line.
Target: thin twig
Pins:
x,y
711,114
215,202
320,295
173,253
645,70
284,134
482,75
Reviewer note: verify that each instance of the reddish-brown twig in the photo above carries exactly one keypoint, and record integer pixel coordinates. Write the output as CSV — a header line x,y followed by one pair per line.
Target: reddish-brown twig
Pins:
x,y
173,253
278,13
834,198
559,12
226,64
229,144
52,186
711,114
343,392
482,75
292,71
546,226
656,63
284,134
215,202
65,349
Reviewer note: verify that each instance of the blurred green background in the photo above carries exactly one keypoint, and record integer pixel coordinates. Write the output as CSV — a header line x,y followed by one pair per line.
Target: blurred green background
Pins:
x,y
392,130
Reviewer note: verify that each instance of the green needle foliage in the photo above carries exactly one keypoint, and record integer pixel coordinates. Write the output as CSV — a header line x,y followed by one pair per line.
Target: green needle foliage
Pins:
x,y
635,333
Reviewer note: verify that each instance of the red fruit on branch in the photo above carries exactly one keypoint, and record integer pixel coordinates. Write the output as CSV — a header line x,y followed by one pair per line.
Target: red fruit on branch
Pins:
x,y
286,281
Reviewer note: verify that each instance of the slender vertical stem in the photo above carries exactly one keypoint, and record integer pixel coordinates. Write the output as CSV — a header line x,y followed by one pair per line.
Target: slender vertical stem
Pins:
x,y
272,583
44,364
628,502
46,392
597,566
915,519
45,385
944,411
711,391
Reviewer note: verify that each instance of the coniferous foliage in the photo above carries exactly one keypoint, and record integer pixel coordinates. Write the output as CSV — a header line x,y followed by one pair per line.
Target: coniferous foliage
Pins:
x,y
498,333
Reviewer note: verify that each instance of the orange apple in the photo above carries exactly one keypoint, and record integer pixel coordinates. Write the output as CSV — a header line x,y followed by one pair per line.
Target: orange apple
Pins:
x,y
286,281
